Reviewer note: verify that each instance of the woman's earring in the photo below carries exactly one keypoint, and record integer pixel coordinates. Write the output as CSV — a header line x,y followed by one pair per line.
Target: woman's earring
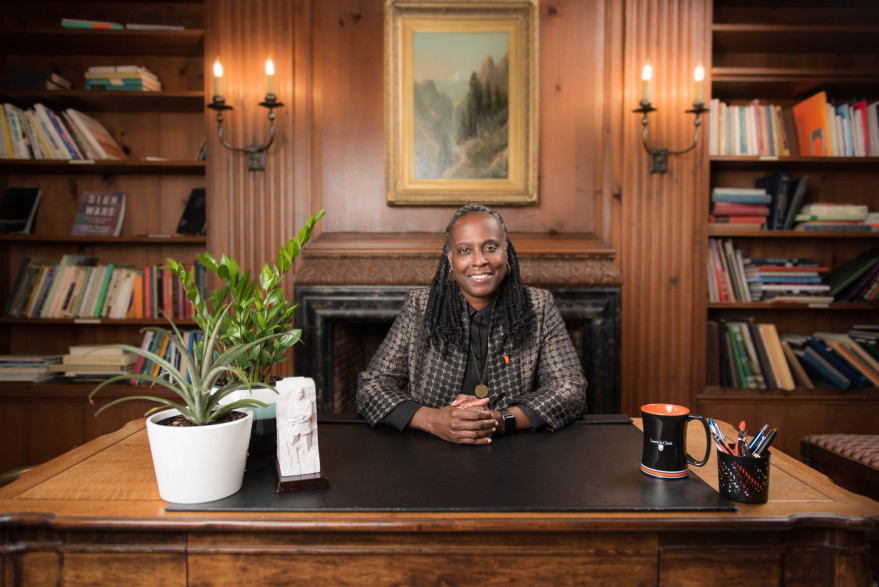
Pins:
x,y
509,269
450,274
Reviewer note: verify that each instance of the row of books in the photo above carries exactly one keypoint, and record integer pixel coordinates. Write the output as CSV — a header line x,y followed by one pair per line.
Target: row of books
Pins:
x,y
772,204
746,355
812,127
41,133
161,345
126,78
87,363
77,287
776,203
735,277
98,213
96,363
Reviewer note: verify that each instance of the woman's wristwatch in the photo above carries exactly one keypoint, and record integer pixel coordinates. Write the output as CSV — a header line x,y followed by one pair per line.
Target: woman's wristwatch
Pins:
x,y
508,422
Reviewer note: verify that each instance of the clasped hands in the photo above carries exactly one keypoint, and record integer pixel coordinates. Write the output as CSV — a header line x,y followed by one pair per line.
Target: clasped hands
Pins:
x,y
467,420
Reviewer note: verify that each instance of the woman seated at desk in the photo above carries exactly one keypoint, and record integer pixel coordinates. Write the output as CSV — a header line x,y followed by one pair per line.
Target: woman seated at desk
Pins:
x,y
478,353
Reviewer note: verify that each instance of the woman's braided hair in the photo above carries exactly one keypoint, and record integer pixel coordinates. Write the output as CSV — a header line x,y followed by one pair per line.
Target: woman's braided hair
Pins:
x,y
512,304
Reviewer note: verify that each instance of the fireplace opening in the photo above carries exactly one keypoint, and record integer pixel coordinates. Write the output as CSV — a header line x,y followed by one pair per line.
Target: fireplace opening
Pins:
x,y
354,344
343,326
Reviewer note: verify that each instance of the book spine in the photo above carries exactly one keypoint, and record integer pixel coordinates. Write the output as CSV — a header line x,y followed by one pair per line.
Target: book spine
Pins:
x,y
17,134
69,143
50,134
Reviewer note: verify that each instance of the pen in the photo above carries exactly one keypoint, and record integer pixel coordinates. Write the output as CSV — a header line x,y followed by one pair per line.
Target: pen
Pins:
x,y
758,437
742,439
764,444
719,438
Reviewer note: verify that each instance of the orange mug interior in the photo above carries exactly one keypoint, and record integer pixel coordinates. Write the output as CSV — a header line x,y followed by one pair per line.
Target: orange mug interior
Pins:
x,y
665,409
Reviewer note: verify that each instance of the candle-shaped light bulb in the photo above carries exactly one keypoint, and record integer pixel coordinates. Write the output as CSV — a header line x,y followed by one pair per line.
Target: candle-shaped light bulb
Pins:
x,y
218,78
270,77
646,74
698,76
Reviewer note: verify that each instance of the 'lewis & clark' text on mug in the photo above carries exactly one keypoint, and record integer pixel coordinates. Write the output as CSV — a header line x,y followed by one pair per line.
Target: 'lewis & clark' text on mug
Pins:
x,y
665,441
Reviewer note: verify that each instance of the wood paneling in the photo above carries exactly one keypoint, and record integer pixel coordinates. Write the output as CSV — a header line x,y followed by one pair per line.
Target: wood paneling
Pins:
x,y
657,241
329,152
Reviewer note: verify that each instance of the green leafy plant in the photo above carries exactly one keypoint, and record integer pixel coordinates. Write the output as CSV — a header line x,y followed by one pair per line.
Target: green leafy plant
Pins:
x,y
260,315
199,388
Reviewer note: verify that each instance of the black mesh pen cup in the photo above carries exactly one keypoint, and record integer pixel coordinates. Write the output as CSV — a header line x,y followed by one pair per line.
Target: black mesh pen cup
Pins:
x,y
744,479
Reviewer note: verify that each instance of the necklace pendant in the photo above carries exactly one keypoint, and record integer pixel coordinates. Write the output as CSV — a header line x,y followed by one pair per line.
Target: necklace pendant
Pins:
x,y
481,391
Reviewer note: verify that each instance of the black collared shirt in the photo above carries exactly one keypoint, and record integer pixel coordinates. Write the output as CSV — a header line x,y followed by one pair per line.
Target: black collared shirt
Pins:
x,y
476,372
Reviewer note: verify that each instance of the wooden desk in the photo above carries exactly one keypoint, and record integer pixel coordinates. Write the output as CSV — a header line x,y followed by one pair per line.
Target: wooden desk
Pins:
x,y
93,516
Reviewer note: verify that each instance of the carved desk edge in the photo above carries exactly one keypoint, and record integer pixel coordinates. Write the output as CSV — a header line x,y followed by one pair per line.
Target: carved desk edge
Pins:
x,y
354,258
844,511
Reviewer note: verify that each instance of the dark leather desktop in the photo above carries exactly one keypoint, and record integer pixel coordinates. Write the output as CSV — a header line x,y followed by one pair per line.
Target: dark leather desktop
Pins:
x,y
587,466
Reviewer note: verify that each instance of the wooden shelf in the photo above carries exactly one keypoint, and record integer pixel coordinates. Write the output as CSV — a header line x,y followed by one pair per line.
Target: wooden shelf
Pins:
x,y
788,306
736,163
102,167
60,389
51,41
103,101
794,38
29,322
737,83
819,394
104,240
721,230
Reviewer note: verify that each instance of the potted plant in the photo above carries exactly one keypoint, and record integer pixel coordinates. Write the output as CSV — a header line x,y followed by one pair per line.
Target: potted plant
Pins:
x,y
259,313
199,444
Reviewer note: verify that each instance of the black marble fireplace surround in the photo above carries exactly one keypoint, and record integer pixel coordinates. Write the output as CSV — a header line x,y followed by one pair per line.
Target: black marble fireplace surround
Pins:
x,y
592,315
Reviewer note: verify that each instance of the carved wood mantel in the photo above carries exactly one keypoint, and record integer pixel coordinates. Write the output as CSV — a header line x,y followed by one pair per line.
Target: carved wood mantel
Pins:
x,y
547,260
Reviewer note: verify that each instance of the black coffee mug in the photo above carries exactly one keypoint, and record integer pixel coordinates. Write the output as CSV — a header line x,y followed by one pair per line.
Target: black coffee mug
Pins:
x,y
664,454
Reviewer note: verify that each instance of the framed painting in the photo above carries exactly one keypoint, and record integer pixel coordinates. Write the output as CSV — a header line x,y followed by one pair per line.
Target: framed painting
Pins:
x,y
461,102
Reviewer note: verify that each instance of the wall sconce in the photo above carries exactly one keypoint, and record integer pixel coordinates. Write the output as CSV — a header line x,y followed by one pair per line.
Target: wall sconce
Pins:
x,y
256,154
658,161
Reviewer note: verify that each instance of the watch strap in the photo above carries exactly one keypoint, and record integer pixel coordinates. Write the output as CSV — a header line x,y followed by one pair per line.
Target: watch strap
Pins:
x,y
509,422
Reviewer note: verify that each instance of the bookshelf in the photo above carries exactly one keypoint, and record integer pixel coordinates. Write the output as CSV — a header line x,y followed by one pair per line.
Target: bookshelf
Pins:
x,y
783,56
161,133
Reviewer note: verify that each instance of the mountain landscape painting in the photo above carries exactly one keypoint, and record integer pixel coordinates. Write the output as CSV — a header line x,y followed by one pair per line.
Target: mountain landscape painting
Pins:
x,y
461,105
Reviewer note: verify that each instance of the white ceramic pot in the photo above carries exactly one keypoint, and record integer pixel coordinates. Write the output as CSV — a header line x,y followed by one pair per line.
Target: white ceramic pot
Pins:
x,y
195,464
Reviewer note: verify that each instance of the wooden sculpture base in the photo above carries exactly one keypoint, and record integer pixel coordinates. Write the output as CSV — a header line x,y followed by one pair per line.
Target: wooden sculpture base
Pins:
x,y
293,483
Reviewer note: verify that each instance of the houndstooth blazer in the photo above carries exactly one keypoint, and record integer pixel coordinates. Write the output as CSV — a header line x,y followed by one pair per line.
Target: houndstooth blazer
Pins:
x,y
543,374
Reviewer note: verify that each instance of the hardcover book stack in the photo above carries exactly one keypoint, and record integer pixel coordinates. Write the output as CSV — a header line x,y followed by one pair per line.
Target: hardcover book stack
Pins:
x,y
787,279
746,355
27,368
41,133
94,363
746,208
124,78
816,127
772,204
832,216
78,287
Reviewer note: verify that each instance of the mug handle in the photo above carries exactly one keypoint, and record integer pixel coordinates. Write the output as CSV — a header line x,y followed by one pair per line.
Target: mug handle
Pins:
x,y
704,460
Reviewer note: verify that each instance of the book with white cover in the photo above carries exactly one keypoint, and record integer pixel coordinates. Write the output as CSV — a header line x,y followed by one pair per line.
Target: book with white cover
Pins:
x,y
98,139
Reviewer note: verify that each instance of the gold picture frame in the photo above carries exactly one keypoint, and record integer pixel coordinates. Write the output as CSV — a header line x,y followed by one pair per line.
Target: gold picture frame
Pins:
x,y
461,99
